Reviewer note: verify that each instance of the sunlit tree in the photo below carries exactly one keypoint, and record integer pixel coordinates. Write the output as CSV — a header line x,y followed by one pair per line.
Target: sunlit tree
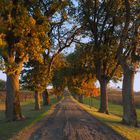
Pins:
x,y
128,54
98,21
23,34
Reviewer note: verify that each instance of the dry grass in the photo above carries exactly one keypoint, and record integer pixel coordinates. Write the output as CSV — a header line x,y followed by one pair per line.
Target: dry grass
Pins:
x,y
115,96
24,95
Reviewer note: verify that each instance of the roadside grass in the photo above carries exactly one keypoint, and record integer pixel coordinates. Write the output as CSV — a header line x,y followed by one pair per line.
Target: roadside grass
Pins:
x,y
9,129
114,119
114,108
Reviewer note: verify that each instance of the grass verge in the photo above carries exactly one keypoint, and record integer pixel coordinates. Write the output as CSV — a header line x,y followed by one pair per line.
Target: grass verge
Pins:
x,y
114,119
9,129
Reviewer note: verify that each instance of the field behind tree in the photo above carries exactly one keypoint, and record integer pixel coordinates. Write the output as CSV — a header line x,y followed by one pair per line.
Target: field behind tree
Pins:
x,y
115,96
24,95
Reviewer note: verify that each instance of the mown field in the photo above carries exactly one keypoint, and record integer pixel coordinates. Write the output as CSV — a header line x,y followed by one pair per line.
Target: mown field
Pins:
x,y
9,129
115,96
24,96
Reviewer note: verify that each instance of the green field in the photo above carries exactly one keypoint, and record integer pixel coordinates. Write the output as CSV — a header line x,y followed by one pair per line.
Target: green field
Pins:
x,y
114,119
8,129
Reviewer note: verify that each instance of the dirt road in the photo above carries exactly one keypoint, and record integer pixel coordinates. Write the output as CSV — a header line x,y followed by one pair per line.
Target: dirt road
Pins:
x,y
69,122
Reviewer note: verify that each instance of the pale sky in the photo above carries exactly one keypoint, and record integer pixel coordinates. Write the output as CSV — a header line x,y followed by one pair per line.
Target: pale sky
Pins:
x,y
136,82
2,76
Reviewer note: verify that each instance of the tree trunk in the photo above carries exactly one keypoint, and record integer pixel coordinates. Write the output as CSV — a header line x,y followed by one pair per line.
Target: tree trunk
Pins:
x,y
46,99
37,101
104,97
13,108
129,111
80,98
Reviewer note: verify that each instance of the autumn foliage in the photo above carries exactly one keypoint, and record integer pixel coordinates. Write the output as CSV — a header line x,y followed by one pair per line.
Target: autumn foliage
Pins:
x,y
89,89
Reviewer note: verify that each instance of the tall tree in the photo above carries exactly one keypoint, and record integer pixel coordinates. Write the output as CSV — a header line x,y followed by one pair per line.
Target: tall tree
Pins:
x,y
61,37
98,21
114,23
35,77
46,99
23,29
128,56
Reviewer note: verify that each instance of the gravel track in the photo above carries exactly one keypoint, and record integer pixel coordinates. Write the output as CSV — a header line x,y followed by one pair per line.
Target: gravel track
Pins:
x,y
69,122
